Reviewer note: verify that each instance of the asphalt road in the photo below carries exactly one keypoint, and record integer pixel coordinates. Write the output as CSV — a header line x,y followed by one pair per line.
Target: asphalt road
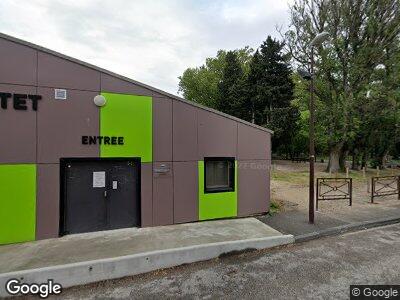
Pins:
x,y
320,269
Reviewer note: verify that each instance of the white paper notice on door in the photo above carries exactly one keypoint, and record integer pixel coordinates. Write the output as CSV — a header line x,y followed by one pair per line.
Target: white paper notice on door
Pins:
x,y
99,179
115,185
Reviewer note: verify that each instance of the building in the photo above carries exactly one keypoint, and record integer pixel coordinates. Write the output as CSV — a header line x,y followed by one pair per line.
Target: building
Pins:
x,y
69,164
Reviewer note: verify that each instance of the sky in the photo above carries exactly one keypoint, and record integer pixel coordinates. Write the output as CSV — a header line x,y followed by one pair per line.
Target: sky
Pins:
x,y
151,41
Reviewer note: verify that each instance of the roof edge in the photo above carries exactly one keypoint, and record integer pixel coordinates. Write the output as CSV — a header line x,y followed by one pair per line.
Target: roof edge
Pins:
x,y
127,79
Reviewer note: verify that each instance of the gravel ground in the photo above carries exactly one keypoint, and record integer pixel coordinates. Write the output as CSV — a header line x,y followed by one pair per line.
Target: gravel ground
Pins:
x,y
289,186
320,269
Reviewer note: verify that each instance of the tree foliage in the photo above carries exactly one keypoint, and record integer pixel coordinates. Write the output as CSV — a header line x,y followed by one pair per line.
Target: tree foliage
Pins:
x,y
357,81
363,35
231,88
200,84
270,91
257,88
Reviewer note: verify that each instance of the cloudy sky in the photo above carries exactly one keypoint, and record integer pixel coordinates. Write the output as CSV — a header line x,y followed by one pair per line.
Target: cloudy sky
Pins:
x,y
152,41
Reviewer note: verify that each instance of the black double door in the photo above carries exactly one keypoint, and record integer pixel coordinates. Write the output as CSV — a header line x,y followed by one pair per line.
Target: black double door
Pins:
x,y
100,195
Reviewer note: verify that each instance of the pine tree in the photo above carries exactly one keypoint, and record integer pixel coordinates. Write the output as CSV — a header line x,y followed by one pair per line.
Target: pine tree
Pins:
x,y
231,86
254,102
271,89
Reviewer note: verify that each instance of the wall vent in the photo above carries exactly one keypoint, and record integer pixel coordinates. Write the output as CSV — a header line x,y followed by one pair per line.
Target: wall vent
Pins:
x,y
60,94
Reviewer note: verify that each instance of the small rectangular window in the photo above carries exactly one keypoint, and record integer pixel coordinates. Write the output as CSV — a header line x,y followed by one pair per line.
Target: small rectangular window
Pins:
x,y
219,174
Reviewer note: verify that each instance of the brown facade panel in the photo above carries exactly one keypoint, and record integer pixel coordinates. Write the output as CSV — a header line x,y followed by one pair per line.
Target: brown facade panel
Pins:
x,y
163,205
184,132
162,129
253,143
217,135
186,202
18,63
253,187
146,191
182,135
116,85
56,72
18,128
61,124
47,201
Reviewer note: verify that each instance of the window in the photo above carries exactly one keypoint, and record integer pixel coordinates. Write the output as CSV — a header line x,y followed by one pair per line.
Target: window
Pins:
x,y
219,174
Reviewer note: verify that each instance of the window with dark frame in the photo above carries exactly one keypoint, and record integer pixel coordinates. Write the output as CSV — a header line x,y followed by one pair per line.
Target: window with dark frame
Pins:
x,y
219,174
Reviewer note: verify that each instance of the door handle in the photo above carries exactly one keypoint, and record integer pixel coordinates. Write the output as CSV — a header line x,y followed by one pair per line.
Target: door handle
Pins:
x,y
105,194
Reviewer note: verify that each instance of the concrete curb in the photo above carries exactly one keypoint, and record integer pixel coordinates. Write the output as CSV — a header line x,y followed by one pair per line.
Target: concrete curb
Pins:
x,y
117,267
345,228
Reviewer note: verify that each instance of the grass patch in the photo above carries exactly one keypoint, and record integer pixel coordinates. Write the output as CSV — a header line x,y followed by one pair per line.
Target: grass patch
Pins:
x,y
358,175
274,207
302,177
292,177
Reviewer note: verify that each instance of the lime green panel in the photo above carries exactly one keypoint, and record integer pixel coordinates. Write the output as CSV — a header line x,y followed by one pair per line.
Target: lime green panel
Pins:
x,y
131,117
216,205
17,203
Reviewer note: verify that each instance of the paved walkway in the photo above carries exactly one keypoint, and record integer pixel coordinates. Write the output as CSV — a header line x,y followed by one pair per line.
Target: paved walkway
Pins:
x,y
320,269
295,221
115,243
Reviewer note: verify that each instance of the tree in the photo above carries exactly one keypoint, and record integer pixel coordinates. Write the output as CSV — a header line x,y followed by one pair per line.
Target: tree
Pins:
x,y
363,33
257,88
231,87
270,89
301,101
380,128
200,84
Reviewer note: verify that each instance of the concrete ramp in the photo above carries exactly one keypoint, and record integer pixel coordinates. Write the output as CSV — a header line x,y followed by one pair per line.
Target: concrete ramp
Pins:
x,y
90,257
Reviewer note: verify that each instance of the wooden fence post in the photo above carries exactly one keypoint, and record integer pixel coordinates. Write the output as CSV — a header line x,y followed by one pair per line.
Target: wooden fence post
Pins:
x,y
316,195
372,189
398,186
351,192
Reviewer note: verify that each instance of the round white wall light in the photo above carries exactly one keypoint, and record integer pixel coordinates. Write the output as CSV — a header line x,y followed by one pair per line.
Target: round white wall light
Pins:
x,y
99,100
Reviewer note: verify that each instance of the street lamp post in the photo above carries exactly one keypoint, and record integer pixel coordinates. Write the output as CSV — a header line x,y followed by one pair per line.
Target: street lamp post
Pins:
x,y
318,40
312,144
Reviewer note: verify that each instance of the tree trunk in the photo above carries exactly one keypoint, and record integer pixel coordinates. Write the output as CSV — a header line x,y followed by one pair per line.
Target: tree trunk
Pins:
x,y
270,114
383,159
364,159
342,160
252,113
355,161
334,156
